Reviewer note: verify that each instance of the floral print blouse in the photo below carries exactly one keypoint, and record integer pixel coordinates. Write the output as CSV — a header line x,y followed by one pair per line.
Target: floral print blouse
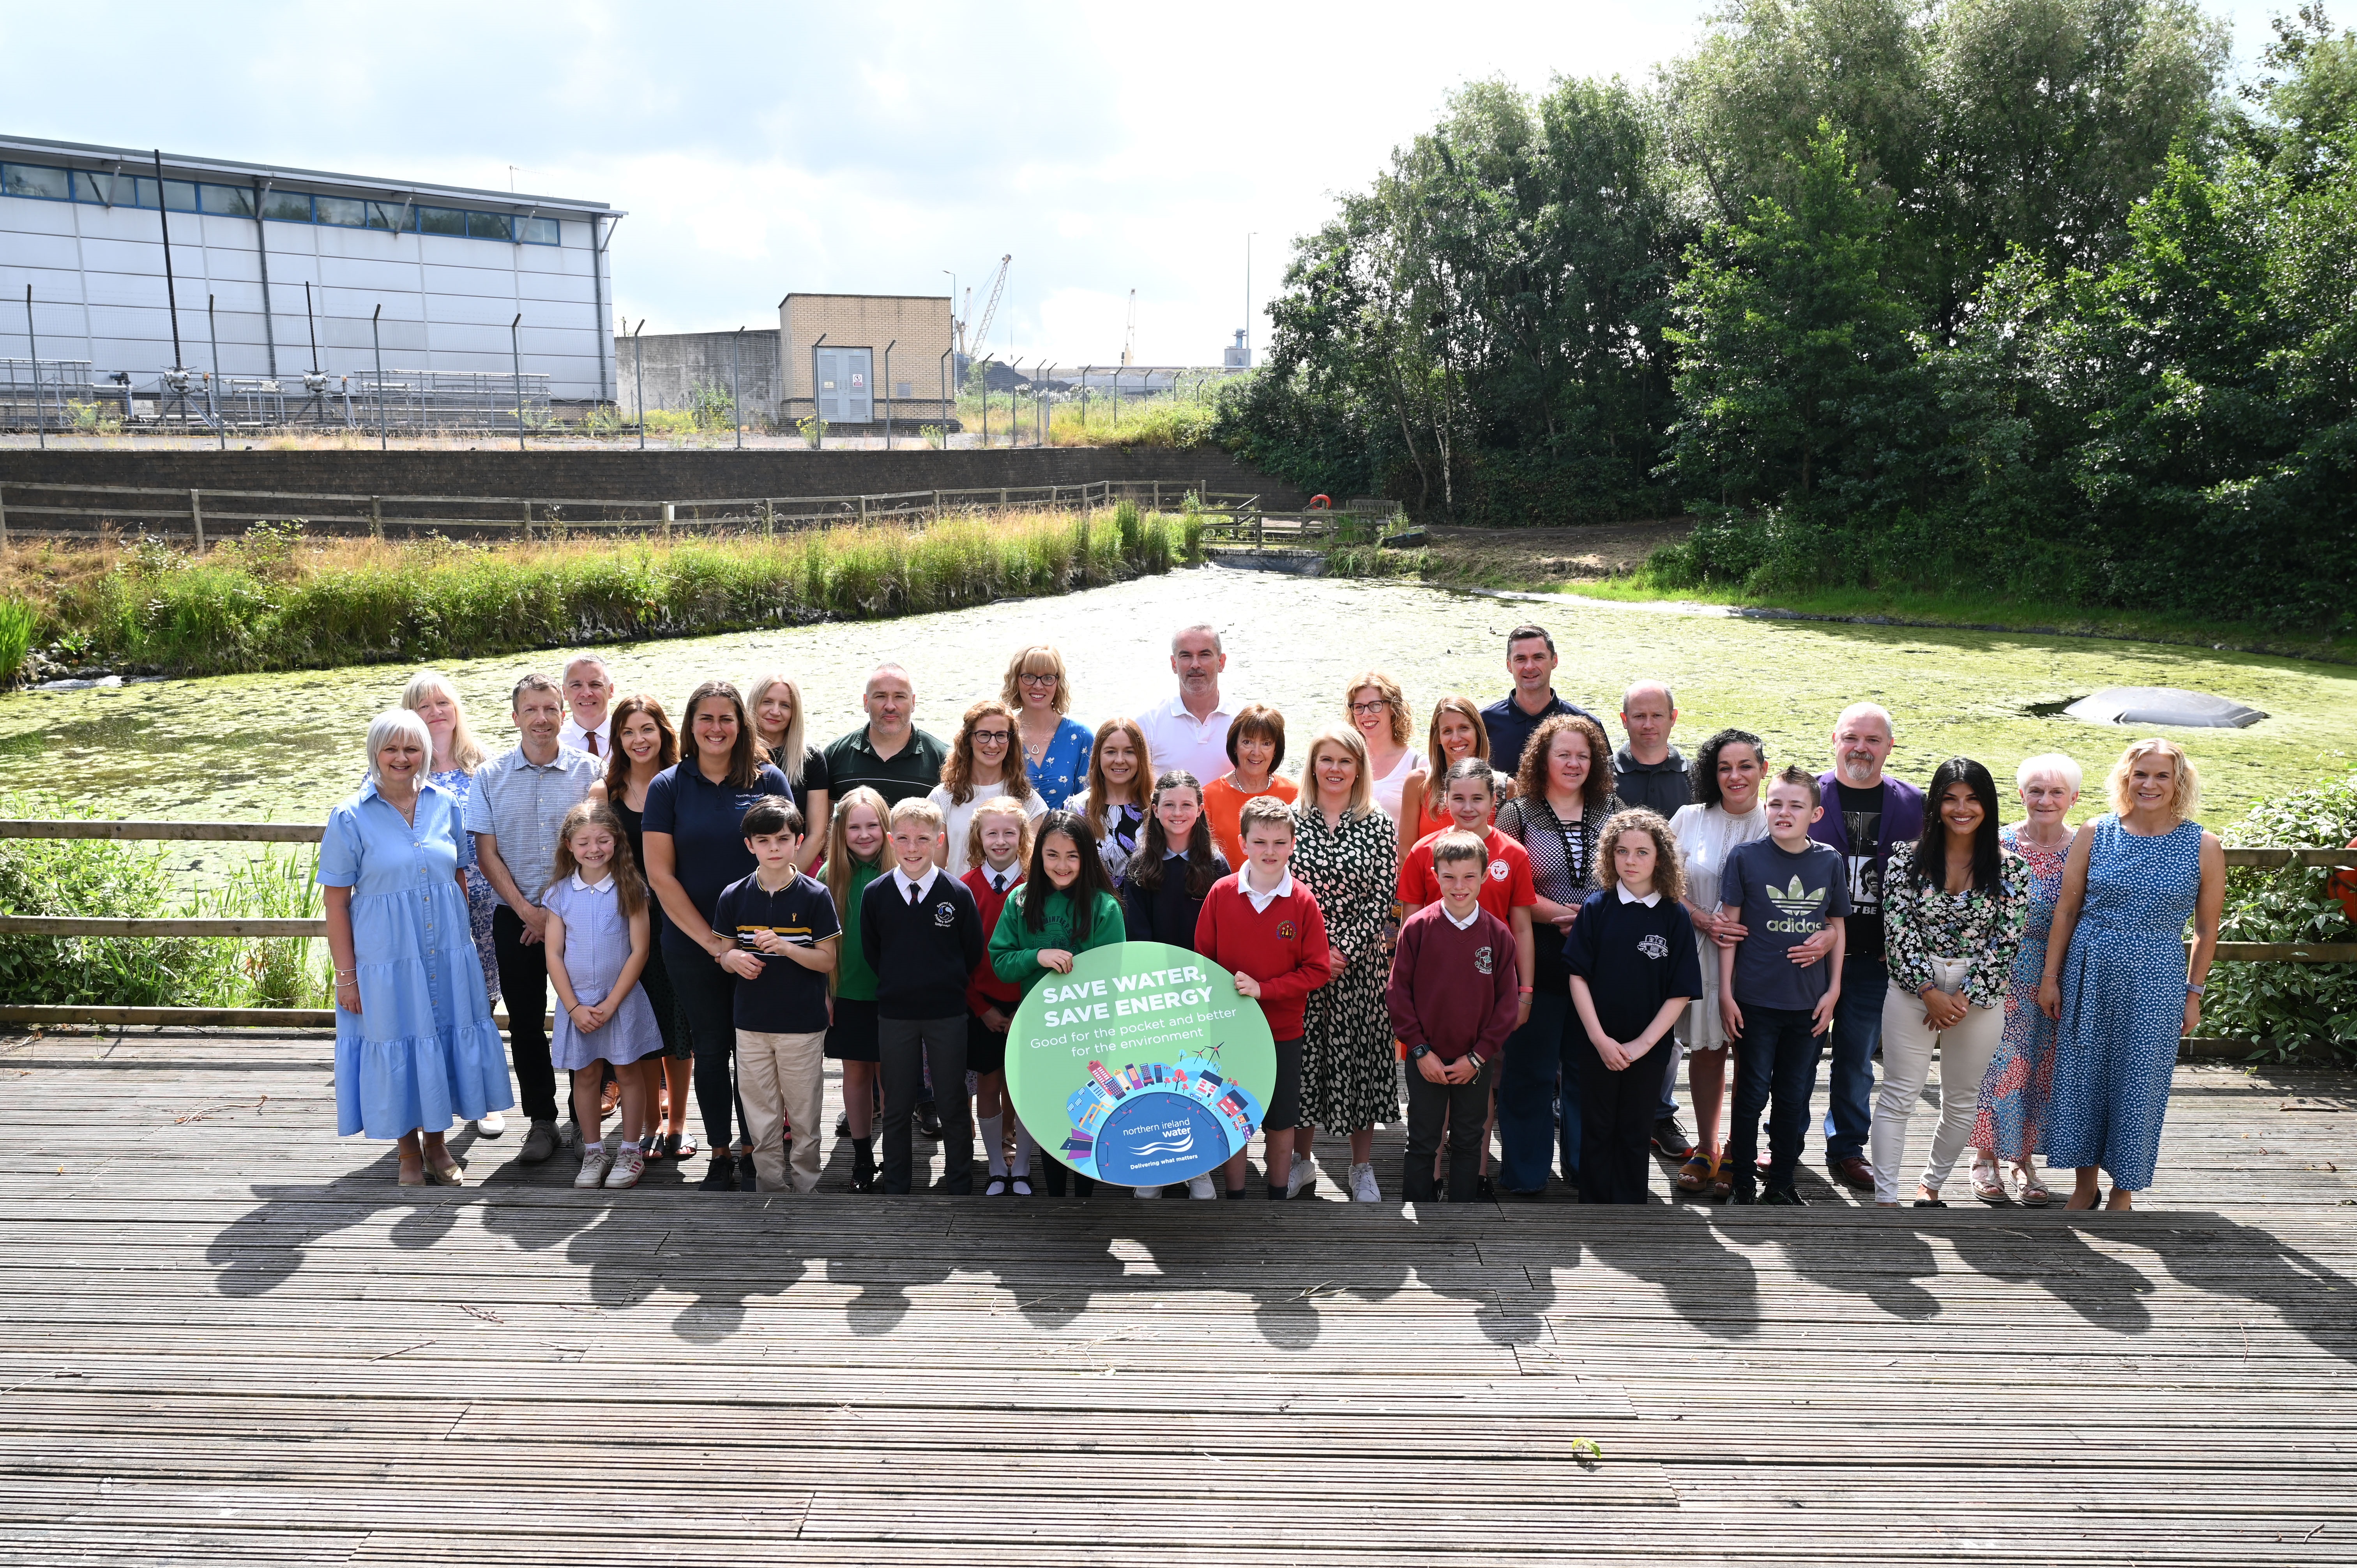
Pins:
x,y
1920,923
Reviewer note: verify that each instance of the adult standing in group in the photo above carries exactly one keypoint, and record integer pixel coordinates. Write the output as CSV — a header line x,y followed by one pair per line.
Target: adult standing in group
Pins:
x,y
457,755
414,1041
1190,733
1513,719
1563,798
980,766
2114,963
1952,906
1864,816
1726,813
774,703
1121,779
644,745
518,802
2011,1123
1255,750
1648,771
1378,713
1347,853
588,692
1055,746
889,753
694,842
1456,733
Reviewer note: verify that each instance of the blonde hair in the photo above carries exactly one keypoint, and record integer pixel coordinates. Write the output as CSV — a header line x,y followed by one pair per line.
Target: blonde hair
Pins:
x,y
1040,657
915,806
1433,754
1363,789
787,755
466,753
1669,873
1395,699
2184,802
997,806
840,861
630,892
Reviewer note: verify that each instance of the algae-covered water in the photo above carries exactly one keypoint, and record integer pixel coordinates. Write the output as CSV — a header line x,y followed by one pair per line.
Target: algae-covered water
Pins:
x,y
287,746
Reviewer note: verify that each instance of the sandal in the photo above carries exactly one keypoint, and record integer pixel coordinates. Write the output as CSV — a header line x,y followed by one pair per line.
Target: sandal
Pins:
x,y
1722,1183
2035,1193
1989,1187
1695,1174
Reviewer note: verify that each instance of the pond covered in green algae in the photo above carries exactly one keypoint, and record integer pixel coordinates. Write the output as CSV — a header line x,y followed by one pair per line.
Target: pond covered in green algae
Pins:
x,y
287,745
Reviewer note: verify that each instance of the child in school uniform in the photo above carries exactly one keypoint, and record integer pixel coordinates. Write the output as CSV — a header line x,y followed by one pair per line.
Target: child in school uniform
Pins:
x,y
787,939
1634,967
1453,1000
922,935
1777,997
858,852
597,937
997,840
1267,929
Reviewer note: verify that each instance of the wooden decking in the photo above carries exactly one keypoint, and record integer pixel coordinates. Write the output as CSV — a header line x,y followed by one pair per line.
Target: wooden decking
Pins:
x,y
229,1337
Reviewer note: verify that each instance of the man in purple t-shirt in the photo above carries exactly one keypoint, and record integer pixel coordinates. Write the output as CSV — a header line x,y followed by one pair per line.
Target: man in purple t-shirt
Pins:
x,y
1865,814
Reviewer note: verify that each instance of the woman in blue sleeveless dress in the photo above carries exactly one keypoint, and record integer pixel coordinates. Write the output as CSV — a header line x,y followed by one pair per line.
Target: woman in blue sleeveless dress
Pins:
x,y
415,1046
2116,980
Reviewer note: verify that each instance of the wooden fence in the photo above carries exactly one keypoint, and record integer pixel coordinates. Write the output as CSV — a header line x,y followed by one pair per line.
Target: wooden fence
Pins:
x,y
92,511
320,1017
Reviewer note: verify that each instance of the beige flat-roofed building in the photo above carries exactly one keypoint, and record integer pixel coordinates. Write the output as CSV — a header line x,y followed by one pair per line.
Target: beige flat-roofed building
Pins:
x,y
833,353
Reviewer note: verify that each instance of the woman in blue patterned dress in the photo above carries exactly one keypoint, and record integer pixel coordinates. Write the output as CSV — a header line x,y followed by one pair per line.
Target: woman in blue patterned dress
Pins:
x,y
457,755
2011,1124
414,1041
2115,969
1055,747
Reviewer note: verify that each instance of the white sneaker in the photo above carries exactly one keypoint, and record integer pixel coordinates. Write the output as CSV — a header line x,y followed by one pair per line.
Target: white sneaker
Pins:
x,y
594,1166
628,1166
1145,1192
491,1126
1363,1185
1200,1186
1302,1177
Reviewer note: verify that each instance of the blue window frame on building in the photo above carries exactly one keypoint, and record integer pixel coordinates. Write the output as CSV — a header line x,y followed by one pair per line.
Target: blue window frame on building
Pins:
x,y
38,182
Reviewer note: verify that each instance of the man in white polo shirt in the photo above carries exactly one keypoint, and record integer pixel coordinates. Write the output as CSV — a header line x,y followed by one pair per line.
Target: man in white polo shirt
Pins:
x,y
1191,731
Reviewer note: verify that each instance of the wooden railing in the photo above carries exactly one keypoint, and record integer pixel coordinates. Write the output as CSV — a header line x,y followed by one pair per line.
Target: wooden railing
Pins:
x,y
300,833
190,514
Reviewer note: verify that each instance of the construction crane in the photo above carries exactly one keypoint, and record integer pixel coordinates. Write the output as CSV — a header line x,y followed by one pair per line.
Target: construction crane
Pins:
x,y
1129,339
972,337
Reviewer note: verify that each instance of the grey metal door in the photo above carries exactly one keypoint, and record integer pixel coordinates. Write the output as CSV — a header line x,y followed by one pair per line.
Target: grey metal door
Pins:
x,y
846,389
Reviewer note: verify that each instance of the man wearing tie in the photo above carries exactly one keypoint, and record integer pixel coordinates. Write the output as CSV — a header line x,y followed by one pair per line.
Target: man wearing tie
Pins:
x,y
588,688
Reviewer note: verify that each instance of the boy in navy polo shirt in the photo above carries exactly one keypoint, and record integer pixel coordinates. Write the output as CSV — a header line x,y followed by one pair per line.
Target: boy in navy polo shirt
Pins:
x,y
1776,1001
786,934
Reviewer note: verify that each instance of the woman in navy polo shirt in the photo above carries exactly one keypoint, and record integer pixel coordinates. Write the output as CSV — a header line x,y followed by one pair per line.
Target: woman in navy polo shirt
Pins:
x,y
694,847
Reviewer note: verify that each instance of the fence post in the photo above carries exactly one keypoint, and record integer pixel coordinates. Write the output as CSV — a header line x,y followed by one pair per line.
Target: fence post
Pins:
x,y
1157,495
667,521
526,531
937,506
1002,498
862,508
197,517
376,517
3,518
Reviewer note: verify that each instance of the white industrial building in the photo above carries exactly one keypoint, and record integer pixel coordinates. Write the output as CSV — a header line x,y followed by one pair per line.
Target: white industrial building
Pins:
x,y
444,271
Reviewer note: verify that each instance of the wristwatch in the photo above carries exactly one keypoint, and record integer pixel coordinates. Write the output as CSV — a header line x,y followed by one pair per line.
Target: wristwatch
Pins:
x,y
1418,1054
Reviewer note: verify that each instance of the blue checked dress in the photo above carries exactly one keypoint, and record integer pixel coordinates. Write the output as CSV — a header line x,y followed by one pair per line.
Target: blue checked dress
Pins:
x,y
423,1050
2123,1002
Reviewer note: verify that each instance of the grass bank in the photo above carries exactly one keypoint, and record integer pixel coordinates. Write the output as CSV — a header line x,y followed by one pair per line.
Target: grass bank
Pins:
x,y
278,601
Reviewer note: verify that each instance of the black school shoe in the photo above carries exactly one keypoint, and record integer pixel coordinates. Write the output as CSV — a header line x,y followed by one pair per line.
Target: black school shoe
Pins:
x,y
748,1177
928,1119
1743,1192
721,1175
1785,1197
863,1166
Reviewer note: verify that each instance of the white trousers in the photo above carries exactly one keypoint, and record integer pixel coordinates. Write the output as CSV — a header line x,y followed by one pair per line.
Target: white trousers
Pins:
x,y
1964,1053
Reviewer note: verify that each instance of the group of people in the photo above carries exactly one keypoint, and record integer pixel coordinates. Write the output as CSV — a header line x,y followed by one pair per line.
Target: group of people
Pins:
x,y
1527,925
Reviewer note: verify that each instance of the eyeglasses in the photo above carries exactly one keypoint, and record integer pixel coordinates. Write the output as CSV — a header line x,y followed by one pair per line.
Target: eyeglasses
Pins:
x,y
992,736
1379,706
1030,678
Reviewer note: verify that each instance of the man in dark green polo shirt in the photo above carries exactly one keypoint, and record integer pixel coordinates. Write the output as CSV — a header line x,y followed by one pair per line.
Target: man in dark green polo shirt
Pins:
x,y
889,753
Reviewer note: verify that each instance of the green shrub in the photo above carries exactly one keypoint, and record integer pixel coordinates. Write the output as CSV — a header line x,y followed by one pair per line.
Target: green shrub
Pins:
x,y
2282,1006
16,623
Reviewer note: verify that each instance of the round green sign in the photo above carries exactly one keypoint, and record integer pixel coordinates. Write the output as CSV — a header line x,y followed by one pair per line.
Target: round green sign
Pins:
x,y
1142,1067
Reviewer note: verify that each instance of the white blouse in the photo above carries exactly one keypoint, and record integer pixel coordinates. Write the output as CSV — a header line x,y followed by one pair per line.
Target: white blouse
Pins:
x,y
1388,788
957,820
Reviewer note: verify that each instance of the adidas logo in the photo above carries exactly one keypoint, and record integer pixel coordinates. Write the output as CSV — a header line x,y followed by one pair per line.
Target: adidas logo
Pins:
x,y
1793,902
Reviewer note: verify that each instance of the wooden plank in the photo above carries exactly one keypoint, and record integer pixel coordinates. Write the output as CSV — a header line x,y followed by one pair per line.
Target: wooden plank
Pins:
x,y
240,1018
229,832
112,925
2287,952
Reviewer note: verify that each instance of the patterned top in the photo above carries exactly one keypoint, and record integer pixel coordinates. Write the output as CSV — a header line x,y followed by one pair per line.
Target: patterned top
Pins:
x,y
1118,833
1063,768
1983,928
1351,872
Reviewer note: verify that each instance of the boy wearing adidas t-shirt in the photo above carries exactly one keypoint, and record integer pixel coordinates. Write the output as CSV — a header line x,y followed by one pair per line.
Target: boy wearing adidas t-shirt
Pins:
x,y
1778,998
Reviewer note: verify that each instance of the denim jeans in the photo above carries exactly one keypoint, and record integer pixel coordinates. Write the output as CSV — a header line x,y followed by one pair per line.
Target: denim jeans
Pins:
x,y
1776,1071
1531,1082
1856,1035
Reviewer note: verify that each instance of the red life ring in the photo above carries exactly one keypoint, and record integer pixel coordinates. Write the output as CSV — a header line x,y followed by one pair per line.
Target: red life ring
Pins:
x,y
1321,504
2342,884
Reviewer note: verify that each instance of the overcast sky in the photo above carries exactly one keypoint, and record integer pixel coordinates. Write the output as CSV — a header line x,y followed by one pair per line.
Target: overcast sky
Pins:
x,y
765,149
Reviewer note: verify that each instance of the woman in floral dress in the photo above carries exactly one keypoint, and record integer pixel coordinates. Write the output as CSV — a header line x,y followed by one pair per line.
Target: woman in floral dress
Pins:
x,y
2011,1121
457,755
1347,851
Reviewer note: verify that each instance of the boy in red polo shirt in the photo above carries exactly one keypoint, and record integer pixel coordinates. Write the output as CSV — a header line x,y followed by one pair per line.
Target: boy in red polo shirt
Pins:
x,y
1507,890
1265,928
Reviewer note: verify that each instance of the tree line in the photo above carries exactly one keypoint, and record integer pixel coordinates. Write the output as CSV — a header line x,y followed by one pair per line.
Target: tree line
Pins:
x,y
2009,293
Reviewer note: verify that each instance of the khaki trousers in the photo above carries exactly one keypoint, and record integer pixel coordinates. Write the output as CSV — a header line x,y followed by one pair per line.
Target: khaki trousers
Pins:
x,y
782,1081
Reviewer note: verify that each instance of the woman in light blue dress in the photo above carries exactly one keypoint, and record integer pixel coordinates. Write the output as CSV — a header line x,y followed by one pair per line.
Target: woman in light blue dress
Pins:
x,y
2116,979
415,1046
1055,747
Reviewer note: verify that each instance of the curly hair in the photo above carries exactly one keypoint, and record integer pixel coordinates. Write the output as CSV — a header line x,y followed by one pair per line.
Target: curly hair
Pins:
x,y
1669,872
1531,779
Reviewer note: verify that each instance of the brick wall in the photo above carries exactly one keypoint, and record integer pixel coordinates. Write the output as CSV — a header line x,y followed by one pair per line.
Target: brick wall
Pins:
x,y
919,323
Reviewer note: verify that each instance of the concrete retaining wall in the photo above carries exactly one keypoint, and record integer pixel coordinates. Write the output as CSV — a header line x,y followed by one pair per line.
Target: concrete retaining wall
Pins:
x,y
677,361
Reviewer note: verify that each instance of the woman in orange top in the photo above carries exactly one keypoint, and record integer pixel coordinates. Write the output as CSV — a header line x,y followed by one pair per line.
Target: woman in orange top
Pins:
x,y
1257,747
1457,733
